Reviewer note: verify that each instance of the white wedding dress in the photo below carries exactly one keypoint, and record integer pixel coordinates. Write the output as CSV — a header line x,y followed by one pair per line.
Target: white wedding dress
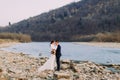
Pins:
x,y
50,64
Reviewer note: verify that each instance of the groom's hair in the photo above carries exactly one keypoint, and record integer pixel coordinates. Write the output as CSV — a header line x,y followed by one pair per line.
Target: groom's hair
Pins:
x,y
56,41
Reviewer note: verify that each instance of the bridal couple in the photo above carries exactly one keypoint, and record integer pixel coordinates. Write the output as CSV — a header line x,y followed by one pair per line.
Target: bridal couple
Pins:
x,y
55,57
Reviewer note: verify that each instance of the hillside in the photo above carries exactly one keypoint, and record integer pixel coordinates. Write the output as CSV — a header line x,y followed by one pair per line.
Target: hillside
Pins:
x,y
70,22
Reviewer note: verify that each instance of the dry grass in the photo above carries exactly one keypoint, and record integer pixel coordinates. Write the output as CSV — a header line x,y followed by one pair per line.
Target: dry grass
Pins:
x,y
100,37
108,37
14,37
7,40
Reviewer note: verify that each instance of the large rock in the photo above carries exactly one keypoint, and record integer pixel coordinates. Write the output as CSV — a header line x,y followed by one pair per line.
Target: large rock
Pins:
x,y
65,64
62,76
2,76
66,61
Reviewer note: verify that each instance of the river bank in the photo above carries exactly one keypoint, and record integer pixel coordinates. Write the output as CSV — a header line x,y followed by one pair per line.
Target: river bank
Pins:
x,y
7,44
20,66
101,44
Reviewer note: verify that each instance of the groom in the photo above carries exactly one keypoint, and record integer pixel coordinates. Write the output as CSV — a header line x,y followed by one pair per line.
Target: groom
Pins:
x,y
58,55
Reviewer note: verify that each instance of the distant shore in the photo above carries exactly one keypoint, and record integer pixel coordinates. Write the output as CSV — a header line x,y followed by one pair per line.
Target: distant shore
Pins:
x,y
98,44
7,44
101,44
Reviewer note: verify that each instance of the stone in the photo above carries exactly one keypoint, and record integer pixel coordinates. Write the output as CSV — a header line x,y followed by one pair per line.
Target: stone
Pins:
x,y
65,66
66,61
62,76
4,77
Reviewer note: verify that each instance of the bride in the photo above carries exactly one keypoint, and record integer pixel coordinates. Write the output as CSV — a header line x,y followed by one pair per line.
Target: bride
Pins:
x,y
50,64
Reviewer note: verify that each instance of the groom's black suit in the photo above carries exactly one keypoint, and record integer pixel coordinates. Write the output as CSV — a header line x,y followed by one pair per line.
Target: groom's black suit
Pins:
x,y
58,55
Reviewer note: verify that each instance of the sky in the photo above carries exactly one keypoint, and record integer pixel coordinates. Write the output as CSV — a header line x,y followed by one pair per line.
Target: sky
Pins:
x,y
16,10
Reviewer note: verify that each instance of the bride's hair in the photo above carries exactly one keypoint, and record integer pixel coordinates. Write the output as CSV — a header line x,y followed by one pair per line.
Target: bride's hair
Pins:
x,y
51,42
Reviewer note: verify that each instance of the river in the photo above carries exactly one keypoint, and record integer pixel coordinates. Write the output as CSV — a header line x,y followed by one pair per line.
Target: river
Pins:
x,y
71,51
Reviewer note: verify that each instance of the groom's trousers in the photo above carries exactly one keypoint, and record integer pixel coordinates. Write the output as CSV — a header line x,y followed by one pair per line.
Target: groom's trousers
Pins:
x,y
58,63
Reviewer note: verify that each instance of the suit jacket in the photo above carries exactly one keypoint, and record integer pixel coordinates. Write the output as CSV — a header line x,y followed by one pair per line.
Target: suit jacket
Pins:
x,y
58,51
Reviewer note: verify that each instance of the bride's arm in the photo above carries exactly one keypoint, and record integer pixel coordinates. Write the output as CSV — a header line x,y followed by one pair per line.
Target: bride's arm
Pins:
x,y
53,49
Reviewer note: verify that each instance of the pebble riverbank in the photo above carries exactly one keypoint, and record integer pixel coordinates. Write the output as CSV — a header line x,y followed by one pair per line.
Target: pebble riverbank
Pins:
x,y
19,66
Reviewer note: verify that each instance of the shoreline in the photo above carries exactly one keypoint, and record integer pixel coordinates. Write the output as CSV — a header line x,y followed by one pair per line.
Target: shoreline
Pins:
x,y
100,44
7,44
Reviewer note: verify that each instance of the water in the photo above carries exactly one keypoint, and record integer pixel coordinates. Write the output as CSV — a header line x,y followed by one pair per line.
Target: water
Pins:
x,y
71,51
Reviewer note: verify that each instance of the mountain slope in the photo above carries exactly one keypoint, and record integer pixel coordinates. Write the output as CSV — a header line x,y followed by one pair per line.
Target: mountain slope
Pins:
x,y
82,18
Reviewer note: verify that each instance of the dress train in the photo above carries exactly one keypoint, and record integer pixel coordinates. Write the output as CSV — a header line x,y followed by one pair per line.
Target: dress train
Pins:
x,y
49,64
